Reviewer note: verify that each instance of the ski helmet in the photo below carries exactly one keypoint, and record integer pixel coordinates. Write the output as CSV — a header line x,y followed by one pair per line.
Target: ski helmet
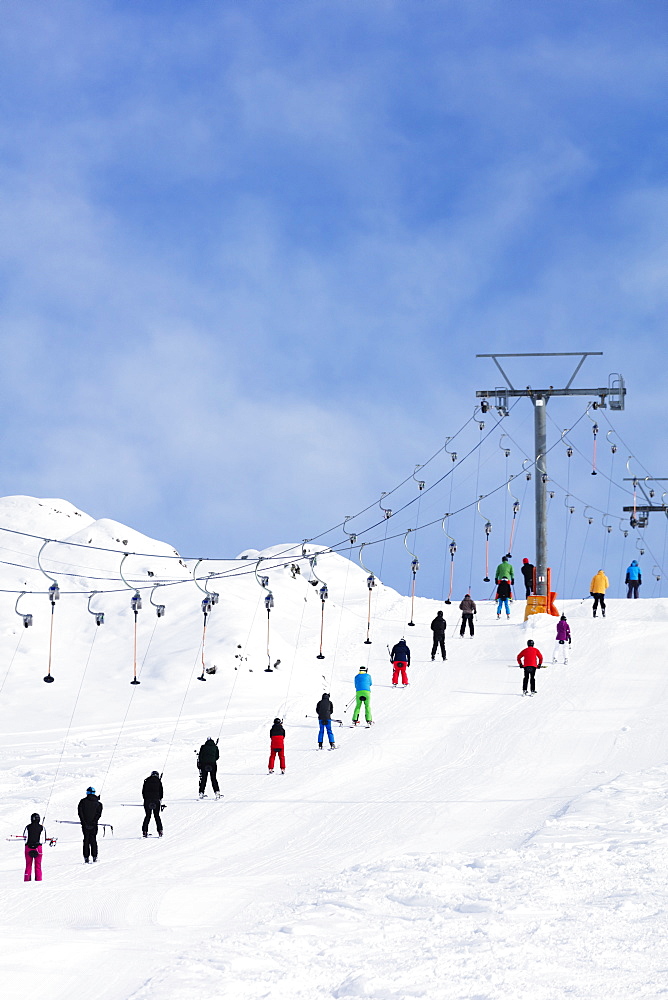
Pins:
x,y
277,721
530,642
34,818
363,670
90,790
155,774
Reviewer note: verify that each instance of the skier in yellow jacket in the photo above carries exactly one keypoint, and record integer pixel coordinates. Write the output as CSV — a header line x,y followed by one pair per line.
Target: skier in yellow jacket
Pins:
x,y
597,589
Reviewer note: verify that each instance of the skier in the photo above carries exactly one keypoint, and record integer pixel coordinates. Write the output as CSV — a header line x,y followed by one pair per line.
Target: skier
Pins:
x,y
324,710
531,659
597,589
152,794
527,573
363,684
89,810
468,610
277,734
207,762
401,659
633,579
438,627
503,595
33,834
563,637
504,571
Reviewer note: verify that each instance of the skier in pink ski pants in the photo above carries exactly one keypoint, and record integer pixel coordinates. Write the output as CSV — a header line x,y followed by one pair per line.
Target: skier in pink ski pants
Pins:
x,y
33,849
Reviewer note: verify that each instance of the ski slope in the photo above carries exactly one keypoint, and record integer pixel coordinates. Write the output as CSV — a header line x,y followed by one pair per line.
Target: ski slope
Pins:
x,y
471,844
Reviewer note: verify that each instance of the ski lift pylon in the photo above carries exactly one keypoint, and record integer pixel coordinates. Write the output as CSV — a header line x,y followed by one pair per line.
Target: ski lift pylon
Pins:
x,y
488,531
371,583
415,565
54,595
135,605
263,581
26,618
452,547
98,615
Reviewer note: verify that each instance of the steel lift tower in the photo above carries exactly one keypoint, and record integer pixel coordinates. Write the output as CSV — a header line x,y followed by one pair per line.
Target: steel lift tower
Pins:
x,y
612,395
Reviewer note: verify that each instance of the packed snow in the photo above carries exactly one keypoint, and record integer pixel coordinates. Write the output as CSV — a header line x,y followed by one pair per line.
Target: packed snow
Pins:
x,y
471,844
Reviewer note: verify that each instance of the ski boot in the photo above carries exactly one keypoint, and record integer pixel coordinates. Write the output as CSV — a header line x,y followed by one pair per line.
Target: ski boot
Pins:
x,y
271,770
282,770
219,795
319,746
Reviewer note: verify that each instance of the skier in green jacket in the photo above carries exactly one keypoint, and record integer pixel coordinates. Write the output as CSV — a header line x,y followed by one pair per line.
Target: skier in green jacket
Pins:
x,y
504,571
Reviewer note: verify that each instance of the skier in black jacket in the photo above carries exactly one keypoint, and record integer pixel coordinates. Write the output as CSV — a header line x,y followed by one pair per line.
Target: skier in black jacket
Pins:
x,y
35,836
527,573
207,762
324,710
438,627
90,810
152,794
401,660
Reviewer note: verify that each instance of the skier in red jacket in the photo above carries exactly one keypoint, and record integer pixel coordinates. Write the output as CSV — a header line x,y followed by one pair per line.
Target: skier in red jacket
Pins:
x,y
531,659
277,734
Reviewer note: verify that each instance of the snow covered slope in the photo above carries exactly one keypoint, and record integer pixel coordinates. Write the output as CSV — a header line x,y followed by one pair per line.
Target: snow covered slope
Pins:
x,y
471,844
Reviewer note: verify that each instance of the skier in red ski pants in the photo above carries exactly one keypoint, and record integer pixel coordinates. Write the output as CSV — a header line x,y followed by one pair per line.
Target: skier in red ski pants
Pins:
x,y
277,734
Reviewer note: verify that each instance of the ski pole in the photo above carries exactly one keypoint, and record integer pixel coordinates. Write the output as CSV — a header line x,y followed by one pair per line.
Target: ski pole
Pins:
x,y
340,721
140,805
76,822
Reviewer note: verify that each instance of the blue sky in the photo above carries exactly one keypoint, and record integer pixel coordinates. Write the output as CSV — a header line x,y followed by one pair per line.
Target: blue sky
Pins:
x,y
249,250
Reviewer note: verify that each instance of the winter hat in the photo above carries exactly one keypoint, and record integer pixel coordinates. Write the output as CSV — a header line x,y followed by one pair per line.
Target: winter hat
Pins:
x,y
277,721
155,774
90,790
439,614
530,642
34,818
563,618
525,560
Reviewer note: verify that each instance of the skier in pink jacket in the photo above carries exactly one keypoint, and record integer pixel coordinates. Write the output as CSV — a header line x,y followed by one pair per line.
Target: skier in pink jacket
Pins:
x,y
563,637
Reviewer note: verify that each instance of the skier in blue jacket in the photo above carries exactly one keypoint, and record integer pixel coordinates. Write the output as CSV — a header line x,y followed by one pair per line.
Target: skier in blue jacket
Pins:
x,y
363,684
633,579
